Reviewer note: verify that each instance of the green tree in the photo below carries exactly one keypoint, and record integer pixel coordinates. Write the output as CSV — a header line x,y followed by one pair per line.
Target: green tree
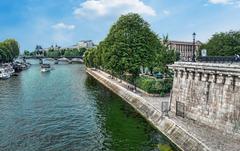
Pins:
x,y
89,57
13,47
6,52
26,53
53,54
223,44
3,54
44,53
33,53
129,45
68,53
164,56
62,51
72,53
82,51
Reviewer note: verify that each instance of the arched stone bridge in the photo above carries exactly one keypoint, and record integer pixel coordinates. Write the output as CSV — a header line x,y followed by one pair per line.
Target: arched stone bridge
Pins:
x,y
78,59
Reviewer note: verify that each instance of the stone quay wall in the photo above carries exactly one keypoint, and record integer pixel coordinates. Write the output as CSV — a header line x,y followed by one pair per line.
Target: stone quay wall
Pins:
x,y
183,139
208,93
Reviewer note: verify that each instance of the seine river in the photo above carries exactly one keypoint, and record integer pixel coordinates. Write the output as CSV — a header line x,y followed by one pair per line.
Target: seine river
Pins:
x,y
66,110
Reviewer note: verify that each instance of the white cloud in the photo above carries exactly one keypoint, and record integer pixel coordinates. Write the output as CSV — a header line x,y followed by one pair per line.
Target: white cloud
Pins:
x,y
226,2
92,8
220,1
235,3
63,26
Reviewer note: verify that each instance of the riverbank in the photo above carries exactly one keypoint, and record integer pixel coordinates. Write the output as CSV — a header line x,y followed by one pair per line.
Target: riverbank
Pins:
x,y
186,134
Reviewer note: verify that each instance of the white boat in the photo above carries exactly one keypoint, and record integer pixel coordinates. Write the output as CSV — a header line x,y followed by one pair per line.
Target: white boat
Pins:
x,y
8,68
3,74
46,68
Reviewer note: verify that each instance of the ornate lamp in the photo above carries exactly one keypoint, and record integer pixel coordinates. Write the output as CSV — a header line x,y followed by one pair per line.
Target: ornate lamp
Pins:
x,y
194,47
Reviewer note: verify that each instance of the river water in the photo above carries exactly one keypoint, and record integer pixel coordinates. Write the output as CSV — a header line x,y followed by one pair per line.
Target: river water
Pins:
x,y
68,110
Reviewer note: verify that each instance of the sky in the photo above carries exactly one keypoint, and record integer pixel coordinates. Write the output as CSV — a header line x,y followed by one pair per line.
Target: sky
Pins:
x,y
65,22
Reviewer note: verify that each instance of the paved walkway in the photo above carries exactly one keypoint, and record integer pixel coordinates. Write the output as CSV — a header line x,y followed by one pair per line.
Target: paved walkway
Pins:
x,y
213,138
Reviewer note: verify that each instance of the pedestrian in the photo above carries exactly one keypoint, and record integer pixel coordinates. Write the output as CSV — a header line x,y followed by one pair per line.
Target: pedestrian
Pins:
x,y
235,57
238,57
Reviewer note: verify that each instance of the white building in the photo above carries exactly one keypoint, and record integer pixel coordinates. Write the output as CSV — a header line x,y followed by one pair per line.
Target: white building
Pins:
x,y
81,44
52,47
85,44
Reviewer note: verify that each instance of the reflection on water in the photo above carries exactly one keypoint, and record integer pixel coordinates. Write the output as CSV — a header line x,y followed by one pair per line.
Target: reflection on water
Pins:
x,y
68,110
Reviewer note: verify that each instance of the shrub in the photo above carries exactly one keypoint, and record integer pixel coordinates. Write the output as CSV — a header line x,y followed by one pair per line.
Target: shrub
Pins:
x,y
155,86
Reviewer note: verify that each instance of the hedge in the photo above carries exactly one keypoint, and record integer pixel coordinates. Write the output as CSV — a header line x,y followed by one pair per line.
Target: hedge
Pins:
x,y
155,86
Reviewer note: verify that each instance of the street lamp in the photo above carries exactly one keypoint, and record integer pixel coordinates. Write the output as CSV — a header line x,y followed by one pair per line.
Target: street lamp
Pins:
x,y
194,47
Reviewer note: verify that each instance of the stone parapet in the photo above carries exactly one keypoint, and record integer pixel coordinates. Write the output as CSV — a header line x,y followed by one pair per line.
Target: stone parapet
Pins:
x,y
205,69
209,92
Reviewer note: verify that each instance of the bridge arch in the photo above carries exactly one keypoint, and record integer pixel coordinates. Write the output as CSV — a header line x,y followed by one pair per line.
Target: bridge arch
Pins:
x,y
64,60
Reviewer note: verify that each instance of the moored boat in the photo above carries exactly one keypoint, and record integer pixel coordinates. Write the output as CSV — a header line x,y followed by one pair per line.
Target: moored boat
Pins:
x,y
20,66
8,68
4,74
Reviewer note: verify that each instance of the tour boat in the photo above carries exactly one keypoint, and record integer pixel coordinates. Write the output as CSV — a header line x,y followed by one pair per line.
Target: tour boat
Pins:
x,y
46,68
3,74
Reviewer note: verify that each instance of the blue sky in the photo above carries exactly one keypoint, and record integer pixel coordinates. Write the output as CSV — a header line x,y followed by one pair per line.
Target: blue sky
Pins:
x,y
64,22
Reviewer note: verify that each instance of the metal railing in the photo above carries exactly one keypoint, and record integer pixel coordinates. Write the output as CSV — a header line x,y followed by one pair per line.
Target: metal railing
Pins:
x,y
219,59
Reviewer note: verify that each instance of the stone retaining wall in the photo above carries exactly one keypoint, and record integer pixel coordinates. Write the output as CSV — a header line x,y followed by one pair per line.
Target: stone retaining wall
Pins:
x,y
209,92
165,125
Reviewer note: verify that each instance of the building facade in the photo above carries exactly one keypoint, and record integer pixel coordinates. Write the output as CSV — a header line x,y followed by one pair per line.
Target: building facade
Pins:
x,y
185,49
85,44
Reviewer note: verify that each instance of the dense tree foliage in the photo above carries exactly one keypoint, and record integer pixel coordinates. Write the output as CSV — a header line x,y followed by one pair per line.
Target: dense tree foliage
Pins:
x,y
26,53
130,44
74,52
164,56
53,54
89,57
82,51
9,49
223,44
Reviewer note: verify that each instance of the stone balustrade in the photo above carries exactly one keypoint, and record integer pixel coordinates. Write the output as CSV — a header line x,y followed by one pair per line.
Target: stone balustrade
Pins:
x,y
209,94
207,72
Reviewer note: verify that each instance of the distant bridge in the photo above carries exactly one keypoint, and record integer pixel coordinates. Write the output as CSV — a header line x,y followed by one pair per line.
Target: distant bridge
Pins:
x,y
43,57
78,59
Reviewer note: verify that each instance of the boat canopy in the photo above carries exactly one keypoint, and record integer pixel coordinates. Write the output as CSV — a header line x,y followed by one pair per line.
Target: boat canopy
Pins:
x,y
45,66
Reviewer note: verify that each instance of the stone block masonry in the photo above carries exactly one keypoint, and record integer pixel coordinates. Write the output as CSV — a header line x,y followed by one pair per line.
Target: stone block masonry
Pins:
x,y
208,93
183,139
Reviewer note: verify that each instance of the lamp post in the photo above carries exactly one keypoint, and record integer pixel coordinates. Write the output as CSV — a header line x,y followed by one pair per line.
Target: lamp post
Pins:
x,y
194,47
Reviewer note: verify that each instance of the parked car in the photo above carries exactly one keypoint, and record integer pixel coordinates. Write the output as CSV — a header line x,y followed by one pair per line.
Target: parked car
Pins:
x,y
158,75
